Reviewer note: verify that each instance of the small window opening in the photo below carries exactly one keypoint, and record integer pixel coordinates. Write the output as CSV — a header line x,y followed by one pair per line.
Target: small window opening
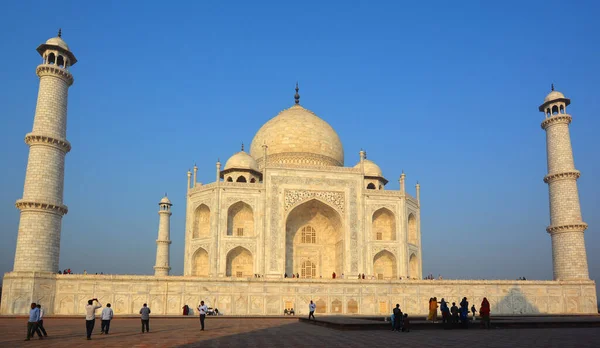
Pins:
x,y
229,179
241,179
371,186
51,58
555,110
60,61
240,232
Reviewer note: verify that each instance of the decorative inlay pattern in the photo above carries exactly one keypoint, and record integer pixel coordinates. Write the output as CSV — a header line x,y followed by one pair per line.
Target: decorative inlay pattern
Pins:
x,y
294,197
54,70
564,175
298,158
567,228
556,119
378,248
61,144
42,206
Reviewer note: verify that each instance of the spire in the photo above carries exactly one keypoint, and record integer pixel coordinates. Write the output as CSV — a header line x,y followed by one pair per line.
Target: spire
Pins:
x,y
552,87
297,96
165,194
242,147
59,32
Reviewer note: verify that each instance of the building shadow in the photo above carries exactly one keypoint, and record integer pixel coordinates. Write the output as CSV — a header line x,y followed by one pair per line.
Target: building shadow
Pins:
x,y
513,303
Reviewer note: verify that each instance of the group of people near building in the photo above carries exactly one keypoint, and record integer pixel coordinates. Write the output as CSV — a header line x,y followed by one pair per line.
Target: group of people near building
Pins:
x,y
35,323
399,320
458,316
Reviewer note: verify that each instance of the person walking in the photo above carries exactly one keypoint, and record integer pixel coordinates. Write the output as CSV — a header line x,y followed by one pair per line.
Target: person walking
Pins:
x,y
32,323
41,321
311,310
107,315
202,309
90,316
145,315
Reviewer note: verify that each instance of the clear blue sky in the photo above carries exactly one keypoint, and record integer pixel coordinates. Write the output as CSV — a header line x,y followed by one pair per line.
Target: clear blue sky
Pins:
x,y
447,91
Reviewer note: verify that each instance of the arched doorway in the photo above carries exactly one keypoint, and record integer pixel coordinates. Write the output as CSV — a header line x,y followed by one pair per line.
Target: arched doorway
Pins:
x,y
412,230
413,264
200,265
384,265
314,233
240,220
384,225
201,228
239,263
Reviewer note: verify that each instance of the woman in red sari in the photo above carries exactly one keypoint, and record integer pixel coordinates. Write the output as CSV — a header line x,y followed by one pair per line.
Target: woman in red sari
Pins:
x,y
484,311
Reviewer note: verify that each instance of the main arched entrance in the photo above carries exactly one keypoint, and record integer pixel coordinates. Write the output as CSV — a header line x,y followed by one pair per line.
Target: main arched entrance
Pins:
x,y
314,233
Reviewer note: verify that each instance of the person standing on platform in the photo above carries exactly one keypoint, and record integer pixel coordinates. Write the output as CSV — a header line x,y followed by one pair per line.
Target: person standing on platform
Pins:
x,y
90,316
311,310
145,315
32,323
202,309
484,312
397,318
41,321
107,315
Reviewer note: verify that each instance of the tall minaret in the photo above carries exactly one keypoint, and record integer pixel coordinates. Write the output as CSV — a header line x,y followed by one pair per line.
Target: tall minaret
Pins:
x,y
566,226
163,243
42,208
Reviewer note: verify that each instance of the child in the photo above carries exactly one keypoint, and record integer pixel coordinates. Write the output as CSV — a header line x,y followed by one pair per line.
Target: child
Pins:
x,y
474,311
406,326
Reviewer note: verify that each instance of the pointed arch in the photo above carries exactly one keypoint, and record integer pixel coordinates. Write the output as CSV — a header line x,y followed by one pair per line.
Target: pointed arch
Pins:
x,y
51,58
383,224
413,237
384,265
240,220
371,186
241,178
60,61
314,232
201,227
240,263
413,266
554,110
229,179
200,264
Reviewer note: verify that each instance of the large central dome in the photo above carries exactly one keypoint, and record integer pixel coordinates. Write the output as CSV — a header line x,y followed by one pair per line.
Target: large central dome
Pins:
x,y
298,136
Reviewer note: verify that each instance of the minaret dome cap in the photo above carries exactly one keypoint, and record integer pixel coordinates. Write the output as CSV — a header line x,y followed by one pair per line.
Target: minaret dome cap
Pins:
x,y
59,44
553,97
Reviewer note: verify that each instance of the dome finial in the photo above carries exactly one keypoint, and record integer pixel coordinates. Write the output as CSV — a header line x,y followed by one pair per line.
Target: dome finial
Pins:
x,y
165,194
552,86
297,96
242,147
59,32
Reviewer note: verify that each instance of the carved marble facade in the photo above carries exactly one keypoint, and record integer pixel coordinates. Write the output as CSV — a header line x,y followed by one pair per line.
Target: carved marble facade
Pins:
x,y
301,217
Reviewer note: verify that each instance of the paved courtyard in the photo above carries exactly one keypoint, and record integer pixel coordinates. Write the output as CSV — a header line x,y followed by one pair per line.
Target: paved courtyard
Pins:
x,y
274,332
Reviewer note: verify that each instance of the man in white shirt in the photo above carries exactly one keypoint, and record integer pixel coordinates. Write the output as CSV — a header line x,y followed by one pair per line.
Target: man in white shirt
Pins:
x,y
107,314
41,321
311,310
90,316
202,309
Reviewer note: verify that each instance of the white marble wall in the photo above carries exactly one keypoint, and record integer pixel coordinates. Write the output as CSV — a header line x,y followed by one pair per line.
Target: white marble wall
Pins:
x,y
67,294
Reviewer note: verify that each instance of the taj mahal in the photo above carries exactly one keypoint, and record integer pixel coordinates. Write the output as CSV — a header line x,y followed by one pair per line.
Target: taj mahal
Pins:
x,y
284,222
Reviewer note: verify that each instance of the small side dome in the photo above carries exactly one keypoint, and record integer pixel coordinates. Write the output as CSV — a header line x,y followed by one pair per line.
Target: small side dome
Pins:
x,y
241,160
371,169
165,199
58,41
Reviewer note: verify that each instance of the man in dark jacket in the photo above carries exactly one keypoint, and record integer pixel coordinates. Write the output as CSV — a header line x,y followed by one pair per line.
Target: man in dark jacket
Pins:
x,y
397,318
